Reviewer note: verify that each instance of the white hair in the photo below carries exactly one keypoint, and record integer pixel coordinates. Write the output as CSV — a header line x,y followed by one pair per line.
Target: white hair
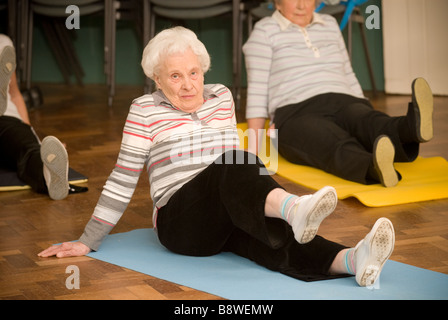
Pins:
x,y
172,41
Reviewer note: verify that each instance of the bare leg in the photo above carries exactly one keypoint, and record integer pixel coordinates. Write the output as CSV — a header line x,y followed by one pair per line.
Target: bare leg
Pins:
x,y
273,203
339,265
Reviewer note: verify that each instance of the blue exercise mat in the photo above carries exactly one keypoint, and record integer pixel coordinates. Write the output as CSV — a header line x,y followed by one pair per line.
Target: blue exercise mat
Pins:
x,y
232,277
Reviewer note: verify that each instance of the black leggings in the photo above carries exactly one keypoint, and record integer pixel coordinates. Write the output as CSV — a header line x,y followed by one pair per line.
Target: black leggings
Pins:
x,y
222,209
336,133
20,151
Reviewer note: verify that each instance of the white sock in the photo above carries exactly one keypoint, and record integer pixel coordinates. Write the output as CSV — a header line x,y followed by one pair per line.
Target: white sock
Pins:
x,y
286,207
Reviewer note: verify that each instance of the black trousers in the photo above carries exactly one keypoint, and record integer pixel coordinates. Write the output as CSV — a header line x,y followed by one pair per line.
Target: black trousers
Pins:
x,y
222,209
20,151
336,133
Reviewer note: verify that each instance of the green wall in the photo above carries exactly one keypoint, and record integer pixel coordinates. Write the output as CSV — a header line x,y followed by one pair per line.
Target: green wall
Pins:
x,y
375,46
216,34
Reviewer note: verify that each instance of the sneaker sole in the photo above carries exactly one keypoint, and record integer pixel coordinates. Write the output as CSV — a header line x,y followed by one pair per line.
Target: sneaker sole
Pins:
x,y
381,248
424,102
55,158
322,207
383,158
7,67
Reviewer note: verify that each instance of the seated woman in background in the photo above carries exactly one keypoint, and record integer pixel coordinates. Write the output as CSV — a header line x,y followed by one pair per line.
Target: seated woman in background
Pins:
x,y
209,196
300,77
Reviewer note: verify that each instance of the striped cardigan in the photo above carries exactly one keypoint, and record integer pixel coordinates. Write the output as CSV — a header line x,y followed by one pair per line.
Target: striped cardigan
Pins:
x,y
173,145
287,64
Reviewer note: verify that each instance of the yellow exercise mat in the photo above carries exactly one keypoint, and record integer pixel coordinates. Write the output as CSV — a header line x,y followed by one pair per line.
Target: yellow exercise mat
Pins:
x,y
422,180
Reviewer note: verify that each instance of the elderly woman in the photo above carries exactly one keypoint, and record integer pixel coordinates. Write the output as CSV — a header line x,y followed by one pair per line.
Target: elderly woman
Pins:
x,y
300,77
208,196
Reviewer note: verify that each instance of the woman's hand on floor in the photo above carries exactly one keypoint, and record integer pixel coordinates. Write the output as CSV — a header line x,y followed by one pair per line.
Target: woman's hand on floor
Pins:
x,y
66,249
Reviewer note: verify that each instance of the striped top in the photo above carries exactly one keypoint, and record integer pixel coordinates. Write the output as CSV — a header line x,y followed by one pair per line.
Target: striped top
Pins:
x,y
287,64
173,145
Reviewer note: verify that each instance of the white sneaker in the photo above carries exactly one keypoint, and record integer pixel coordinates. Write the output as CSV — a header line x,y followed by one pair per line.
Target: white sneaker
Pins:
x,y
55,159
310,211
7,67
372,252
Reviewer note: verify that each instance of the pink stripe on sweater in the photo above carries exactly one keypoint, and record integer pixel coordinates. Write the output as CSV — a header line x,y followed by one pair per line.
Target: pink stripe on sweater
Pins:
x,y
129,169
103,221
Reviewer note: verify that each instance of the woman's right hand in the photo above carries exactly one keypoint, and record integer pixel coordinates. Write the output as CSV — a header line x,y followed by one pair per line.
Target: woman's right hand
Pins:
x,y
66,249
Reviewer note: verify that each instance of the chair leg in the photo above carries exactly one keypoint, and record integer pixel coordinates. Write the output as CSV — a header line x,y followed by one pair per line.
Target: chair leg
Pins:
x,y
23,26
53,41
29,50
107,18
369,62
113,26
148,33
152,31
239,62
235,49
109,49
73,62
349,37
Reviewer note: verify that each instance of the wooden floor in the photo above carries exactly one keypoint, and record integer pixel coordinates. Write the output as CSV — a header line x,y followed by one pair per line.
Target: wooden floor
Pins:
x,y
30,222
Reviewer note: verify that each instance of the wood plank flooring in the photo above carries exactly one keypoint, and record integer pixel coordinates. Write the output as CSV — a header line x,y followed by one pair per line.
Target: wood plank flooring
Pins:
x,y
79,116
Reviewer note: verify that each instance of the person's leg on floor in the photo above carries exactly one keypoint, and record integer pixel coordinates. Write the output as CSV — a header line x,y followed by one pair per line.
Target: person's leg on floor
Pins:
x,y
208,213
21,152
44,167
367,259
317,141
